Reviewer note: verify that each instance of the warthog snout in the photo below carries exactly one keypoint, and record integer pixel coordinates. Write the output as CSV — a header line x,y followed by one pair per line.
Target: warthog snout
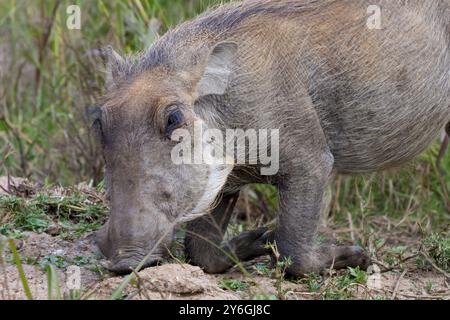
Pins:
x,y
127,246
123,265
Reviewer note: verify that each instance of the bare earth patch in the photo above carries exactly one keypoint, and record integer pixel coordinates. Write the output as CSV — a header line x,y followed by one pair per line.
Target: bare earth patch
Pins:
x,y
396,246
169,281
183,281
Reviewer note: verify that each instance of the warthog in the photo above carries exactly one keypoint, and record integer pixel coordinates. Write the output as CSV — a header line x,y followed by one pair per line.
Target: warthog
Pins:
x,y
346,98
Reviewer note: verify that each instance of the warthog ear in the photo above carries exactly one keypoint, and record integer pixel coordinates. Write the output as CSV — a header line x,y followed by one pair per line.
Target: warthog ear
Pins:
x,y
217,70
114,64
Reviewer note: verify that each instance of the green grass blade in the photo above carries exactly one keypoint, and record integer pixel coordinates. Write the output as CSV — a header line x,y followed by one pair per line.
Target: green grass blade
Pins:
x,y
117,294
53,283
18,263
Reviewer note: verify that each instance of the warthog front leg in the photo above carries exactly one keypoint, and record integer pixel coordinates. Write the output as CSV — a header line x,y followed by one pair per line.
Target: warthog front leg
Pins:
x,y
301,195
204,239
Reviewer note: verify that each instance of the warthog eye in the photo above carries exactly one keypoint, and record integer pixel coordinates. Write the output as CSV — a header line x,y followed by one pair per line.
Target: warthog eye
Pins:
x,y
97,130
174,121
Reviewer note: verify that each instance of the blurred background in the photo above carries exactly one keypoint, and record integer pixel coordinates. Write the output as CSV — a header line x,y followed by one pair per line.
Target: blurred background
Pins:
x,y
49,74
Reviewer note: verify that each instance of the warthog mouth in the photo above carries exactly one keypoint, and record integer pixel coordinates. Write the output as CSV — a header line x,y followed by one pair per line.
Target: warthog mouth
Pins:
x,y
126,264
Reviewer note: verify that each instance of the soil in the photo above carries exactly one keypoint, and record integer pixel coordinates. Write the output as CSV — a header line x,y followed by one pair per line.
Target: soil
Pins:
x,y
183,281
81,272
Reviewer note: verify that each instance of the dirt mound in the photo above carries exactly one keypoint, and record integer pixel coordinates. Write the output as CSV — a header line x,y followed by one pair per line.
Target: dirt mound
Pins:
x,y
405,269
169,281
183,281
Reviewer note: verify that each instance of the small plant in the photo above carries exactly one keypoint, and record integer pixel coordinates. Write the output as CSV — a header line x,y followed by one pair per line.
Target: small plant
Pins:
x,y
313,281
82,260
263,269
73,212
73,295
395,255
341,287
437,246
358,275
8,230
233,284
25,215
281,264
54,260
429,287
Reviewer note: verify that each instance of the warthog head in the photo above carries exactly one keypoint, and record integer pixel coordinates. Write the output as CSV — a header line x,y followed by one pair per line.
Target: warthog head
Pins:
x,y
148,193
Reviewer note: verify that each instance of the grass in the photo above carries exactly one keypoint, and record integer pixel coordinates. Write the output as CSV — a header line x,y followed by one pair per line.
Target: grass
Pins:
x,y
49,74
62,262
438,247
18,263
341,287
233,284
70,213
56,205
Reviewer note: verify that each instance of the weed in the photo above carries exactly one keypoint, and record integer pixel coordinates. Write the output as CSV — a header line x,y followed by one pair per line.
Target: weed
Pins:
x,y
313,281
342,286
438,247
233,284
74,212
55,260
429,287
281,265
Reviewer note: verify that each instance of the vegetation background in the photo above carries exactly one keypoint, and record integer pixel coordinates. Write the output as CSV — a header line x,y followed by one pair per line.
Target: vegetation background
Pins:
x,y
50,74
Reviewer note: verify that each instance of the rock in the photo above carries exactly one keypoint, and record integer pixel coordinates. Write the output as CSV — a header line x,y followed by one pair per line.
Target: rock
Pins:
x,y
17,186
53,229
6,184
176,278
